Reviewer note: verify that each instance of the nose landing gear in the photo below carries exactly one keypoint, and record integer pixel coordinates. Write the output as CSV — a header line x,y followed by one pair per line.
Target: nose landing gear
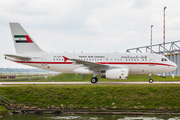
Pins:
x,y
150,79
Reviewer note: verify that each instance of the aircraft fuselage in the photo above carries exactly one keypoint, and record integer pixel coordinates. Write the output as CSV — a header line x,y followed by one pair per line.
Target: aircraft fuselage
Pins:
x,y
137,63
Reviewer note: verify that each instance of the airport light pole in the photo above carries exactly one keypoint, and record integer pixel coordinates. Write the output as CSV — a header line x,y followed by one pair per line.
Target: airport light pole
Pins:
x,y
164,32
164,37
151,38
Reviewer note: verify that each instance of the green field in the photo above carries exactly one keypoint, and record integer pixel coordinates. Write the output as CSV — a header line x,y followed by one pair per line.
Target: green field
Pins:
x,y
96,96
132,78
3,111
64,77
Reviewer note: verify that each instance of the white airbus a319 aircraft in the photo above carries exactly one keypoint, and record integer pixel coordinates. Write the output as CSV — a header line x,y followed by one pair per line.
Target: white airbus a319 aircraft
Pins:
x,y
108,65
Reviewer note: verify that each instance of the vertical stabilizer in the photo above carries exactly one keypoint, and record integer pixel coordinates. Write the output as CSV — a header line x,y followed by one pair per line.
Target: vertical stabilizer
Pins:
x,y
23,43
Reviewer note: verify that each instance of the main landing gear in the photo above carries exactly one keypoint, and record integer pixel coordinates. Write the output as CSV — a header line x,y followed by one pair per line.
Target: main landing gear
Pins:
x,y
94,80
150,79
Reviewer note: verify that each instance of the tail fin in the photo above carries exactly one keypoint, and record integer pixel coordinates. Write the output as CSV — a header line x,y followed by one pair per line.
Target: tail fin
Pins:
x,y
22,41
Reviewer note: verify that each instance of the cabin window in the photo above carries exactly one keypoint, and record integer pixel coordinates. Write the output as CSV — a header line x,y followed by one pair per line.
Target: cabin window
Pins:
x,y
163,59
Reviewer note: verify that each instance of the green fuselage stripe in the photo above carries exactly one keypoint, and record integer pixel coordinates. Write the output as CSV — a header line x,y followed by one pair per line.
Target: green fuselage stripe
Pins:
x,y
19,36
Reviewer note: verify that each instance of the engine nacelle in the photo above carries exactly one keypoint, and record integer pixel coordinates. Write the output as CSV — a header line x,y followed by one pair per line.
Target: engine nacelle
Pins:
x,y
115,74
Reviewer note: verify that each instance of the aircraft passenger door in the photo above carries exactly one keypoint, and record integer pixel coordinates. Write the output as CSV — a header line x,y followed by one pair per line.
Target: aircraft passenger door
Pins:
x,y
44,59
151,60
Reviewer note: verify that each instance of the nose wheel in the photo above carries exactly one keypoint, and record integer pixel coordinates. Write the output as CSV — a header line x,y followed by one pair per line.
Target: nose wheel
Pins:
x,y
94,80
150,79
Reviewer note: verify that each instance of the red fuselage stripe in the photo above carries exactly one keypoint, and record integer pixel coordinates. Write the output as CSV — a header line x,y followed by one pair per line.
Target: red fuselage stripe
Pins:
x,y
108,63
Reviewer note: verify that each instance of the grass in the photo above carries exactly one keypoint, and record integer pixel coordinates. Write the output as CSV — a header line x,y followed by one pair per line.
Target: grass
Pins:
x,y
25,78
3,111
63,77
96,96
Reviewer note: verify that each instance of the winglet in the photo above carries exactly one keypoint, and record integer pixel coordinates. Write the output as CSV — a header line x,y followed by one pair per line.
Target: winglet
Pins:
x,y
65,58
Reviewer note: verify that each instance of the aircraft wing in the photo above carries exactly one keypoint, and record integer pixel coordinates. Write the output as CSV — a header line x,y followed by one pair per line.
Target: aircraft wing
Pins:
x,y
94,66
90,65
18,57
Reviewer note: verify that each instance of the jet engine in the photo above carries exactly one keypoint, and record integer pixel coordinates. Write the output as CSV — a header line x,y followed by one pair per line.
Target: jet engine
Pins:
x,y
115,74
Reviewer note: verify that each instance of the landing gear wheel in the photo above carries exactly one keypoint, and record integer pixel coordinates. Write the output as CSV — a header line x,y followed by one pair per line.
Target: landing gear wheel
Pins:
x,y
94,80
150,80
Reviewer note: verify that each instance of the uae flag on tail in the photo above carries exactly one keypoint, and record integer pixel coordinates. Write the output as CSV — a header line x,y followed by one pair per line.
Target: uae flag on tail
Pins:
x,y
22,39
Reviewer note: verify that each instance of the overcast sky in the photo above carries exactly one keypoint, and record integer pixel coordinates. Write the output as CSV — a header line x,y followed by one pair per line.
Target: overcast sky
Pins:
x,y
88,25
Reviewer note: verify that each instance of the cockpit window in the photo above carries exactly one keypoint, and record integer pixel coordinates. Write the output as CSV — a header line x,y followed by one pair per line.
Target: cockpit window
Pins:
x,y
164,59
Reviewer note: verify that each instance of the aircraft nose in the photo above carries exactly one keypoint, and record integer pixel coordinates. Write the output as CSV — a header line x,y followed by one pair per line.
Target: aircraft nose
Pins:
x,y
174,66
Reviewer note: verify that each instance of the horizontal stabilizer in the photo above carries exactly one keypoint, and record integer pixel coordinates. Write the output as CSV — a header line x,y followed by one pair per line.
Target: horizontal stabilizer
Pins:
x,y
18,57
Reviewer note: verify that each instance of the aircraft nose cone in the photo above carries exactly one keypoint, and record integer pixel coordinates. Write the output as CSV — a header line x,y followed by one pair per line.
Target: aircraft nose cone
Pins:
x,y
174,66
